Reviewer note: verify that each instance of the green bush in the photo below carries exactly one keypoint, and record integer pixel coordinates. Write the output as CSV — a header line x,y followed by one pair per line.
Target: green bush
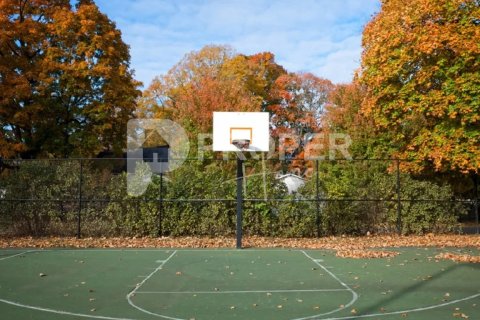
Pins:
x,y
52,189
376,208
296,218
420,216
199,182
262,217
40,185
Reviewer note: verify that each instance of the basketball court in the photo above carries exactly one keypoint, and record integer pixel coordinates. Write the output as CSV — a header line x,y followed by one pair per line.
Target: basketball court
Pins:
x,y
234,284
223,284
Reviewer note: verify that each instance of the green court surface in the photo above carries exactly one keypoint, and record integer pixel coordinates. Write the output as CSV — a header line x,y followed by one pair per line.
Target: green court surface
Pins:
x,y
235,284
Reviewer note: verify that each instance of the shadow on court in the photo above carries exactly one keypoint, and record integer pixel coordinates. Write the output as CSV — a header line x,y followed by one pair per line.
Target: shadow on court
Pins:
x,y
439,280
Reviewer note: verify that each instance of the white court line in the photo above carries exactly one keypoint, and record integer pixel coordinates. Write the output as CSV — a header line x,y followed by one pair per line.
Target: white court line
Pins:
x,y
132,293
312,317
66,313
242,291
246,250
18,254
408,311
354,294
21,305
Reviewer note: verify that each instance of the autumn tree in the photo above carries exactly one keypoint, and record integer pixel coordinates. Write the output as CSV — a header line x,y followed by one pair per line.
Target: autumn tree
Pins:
x,y
212,79
257,72
66,87
421,69
298,102
343,114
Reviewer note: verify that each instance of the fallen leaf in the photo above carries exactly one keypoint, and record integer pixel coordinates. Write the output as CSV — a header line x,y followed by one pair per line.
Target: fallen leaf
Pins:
x,y
460,315
333,243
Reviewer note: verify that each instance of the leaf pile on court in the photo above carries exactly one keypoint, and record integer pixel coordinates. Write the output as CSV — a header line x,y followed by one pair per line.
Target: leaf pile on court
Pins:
x,y
458,257
347,247
365,254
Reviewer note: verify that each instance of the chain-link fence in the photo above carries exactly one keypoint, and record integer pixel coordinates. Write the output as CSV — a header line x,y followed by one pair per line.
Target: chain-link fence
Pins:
x,y
295,198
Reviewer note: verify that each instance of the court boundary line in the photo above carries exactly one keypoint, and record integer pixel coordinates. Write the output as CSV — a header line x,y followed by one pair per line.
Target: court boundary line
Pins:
x,y
241,291
175,249
19,254
343,284
67,313
408,311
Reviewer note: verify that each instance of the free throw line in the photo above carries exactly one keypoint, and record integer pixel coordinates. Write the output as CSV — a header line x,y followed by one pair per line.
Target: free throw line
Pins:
x,y
242,291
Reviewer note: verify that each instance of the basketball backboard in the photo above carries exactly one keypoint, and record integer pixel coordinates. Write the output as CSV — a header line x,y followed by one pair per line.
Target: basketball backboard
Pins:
x,y
229,128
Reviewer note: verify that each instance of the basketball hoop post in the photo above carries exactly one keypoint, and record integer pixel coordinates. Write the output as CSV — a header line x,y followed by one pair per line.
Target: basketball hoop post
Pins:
x,y
239,201
241,145
240,132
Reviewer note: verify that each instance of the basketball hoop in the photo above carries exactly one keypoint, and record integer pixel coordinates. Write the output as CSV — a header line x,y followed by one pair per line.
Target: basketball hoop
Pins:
x,y
241,144
241,132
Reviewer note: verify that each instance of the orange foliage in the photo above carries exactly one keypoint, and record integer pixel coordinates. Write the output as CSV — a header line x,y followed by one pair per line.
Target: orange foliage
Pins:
x,y
65,83
298,104
422,73
212,79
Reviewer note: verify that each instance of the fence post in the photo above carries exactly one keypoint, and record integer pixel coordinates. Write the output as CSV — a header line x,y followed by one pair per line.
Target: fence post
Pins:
x,y
160,206
317,190
399,201
476,200
137,210
79,215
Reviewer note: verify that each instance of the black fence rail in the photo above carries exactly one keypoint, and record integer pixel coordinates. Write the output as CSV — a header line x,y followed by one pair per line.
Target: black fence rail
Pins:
x,y
298,198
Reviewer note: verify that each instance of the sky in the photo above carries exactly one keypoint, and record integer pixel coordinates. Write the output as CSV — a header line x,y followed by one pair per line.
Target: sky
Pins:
x,y
318,36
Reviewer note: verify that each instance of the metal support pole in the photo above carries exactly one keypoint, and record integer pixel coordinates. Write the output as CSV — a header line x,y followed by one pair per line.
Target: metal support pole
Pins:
x,y
239,201
160,206
317,187
264,177
79,215
399,201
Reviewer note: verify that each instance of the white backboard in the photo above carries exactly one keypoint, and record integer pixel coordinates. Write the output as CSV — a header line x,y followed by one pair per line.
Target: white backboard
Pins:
x,y
228,126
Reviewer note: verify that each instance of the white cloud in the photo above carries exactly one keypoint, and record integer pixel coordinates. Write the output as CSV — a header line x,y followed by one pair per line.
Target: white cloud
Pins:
x,y
318,36
340,65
